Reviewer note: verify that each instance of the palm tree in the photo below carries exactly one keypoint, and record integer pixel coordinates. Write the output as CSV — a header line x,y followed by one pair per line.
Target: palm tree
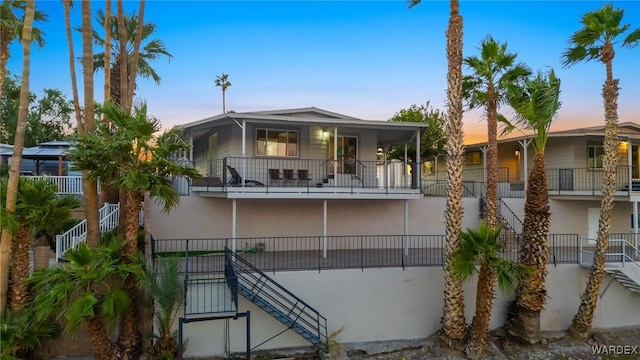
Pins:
x,y
86,291
595,41
37,206
223,82
483,246
536,102
151,50
492,72
168,295
89,186
72,64
18,145
11,29
453,322
135,162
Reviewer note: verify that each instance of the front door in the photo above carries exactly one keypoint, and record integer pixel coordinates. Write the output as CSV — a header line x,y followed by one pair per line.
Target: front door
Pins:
x,y
347,154
593,220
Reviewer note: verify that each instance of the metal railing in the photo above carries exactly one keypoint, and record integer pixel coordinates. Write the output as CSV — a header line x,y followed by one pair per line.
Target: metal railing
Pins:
x,y
271,254
619,249
512,221
307,175
78,234
589,179
300,316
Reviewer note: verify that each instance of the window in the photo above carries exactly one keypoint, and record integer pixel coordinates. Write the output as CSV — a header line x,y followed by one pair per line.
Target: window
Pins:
x,y
474,158
596,157
277,143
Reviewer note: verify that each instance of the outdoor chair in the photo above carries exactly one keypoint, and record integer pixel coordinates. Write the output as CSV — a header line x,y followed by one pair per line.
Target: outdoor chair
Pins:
x,y
288,176
303,177
236,180
274,176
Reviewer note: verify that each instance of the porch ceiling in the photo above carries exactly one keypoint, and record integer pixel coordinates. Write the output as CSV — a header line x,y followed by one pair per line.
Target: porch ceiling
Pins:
x,y
387,132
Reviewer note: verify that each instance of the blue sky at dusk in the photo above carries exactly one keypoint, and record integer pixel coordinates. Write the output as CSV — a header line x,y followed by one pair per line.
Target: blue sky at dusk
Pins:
x,y
367,59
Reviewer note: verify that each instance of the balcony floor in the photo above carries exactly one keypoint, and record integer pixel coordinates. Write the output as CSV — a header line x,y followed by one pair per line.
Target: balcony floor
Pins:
x,y
325,192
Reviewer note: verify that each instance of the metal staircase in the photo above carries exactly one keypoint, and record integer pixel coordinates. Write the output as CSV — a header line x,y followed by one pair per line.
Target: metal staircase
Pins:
x,y
624,279
274,299
622,262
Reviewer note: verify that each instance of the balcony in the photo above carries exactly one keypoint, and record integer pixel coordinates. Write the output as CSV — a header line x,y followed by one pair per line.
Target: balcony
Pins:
x,y
571,182
344,178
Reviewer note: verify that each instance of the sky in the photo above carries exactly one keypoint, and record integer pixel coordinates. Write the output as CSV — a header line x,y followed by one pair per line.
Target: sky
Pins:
x,y
367,59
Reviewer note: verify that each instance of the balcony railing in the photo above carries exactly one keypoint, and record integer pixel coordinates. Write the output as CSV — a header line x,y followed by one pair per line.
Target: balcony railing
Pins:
x,y
201,256
67,185
565,181
301,175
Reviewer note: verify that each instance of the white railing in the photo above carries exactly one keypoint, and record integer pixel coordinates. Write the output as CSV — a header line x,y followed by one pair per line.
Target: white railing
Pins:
x,y
620,255
67,185
78,233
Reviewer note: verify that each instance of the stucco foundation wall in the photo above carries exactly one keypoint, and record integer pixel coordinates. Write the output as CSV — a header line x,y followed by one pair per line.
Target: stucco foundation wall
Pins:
x,y
571,216
391,304
201,217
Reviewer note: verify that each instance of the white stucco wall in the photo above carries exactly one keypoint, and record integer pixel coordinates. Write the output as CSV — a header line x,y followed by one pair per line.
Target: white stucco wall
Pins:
x,y
392,304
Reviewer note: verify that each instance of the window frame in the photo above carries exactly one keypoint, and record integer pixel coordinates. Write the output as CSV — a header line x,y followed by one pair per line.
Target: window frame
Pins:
x,y
592,160
276,130
469,160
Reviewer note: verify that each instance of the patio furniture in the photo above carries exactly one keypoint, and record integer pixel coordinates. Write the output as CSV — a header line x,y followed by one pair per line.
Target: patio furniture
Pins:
x,y
288,176
274,176
303,177
236,180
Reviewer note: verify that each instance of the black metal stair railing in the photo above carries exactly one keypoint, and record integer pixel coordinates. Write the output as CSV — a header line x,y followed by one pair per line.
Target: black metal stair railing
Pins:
x,y
277,301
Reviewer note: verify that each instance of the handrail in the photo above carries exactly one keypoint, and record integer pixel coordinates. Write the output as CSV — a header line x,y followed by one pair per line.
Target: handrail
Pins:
x,y
513,216
231,276
78,234
307,317
623,254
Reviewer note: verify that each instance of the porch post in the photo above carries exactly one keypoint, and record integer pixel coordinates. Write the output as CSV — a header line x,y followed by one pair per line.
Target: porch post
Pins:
x,y
406,228
404,167
525,145
635,224
59,165
324,228
385,171
484,165
234,218
630,168
244,149
335,156
418,166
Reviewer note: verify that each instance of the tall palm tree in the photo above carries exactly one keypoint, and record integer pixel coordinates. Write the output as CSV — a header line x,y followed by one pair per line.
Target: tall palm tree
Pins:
x,y
11,29
222,81
37,205
87,290
72,64
536,101
483,246
485,88
453,322
18,145
135,162
601,30
151,49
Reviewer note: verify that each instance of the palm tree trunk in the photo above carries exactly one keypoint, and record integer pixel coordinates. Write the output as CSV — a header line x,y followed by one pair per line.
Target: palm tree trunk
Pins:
x,y
531,294
89,187
583,319
72,66
490,211
453,322
18,145
122,56
20,268
136,54
103,348
130,339
484,304
224,108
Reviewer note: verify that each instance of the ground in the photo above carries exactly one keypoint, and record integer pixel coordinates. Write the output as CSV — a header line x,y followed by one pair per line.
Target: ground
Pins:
x,y
620,343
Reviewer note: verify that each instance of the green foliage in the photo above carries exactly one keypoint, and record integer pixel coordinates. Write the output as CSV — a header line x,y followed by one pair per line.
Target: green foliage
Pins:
x,y
222,81
536,100
483,246
48,119
150,49
20,333
89,285
11,15
132,159
432,139
166,289
334,345
600,29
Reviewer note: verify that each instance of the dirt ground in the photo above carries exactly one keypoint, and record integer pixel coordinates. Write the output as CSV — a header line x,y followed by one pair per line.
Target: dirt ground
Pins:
x,y
620,343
